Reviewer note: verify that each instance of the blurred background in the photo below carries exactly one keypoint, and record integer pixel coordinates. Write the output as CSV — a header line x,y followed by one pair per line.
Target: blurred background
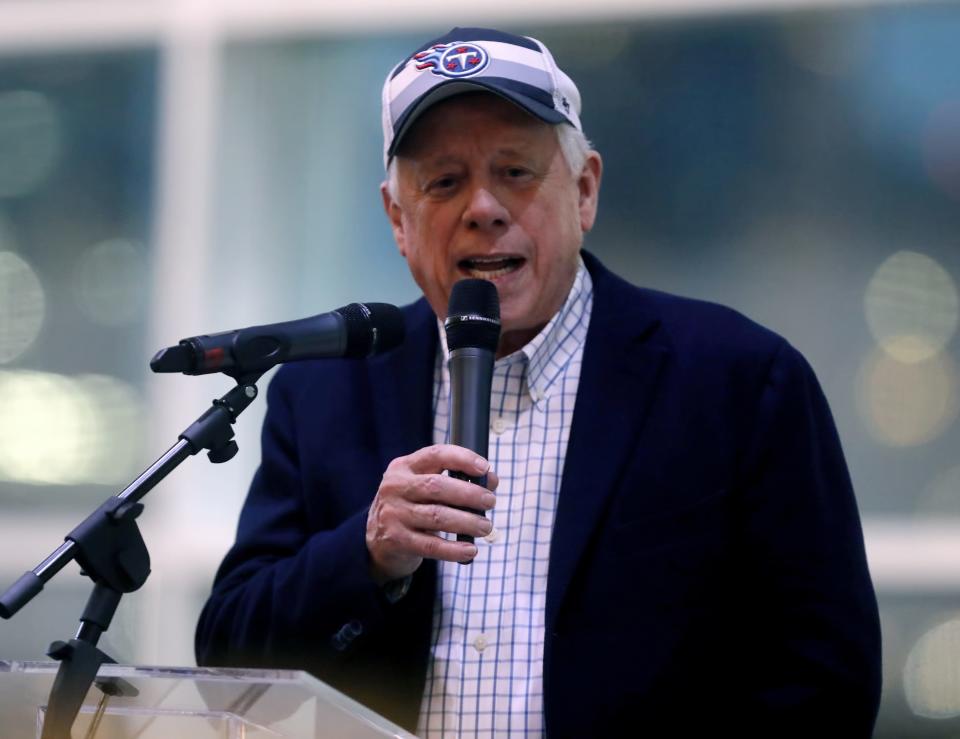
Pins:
x,y
175,168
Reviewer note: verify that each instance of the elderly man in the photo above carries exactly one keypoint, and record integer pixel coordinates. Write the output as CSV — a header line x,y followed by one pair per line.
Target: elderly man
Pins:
x,y
671,543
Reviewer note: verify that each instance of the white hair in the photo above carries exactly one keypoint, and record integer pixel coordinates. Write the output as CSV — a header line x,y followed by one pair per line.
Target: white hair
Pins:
x,y
574,146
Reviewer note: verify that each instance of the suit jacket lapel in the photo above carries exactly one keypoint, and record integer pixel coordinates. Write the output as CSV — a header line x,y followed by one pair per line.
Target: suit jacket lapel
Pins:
x,y
401,383
617,381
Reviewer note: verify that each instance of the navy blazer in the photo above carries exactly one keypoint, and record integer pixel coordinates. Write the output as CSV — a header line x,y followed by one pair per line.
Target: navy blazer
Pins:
x,y
707,568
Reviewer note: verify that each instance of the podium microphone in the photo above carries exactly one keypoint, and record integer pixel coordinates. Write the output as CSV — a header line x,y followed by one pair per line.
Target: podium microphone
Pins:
x,y
473,332
357,330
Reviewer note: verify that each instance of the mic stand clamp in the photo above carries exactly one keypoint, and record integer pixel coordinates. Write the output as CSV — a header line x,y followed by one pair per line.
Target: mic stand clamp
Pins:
x,y
214,429
112,553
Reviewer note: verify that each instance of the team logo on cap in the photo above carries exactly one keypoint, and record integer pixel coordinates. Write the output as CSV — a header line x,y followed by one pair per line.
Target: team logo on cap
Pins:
x,y
452,60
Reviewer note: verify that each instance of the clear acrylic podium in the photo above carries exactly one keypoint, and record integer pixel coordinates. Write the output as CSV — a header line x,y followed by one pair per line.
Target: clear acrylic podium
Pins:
x,y
191,703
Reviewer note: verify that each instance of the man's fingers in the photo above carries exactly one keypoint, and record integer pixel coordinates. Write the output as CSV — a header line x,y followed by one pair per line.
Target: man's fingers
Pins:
x,y
433,517
404,547
440,457
416,502
437,488
434,547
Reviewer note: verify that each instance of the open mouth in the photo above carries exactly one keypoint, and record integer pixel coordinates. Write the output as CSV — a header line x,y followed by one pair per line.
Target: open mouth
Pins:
x,y
489,268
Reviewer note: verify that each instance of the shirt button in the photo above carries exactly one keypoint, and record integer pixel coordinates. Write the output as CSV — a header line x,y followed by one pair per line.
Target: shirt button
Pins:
x,y
536,395
480,643
492,536
499,425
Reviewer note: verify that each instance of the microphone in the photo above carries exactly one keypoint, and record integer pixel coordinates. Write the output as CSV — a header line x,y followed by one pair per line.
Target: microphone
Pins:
x,y
473,331
356,330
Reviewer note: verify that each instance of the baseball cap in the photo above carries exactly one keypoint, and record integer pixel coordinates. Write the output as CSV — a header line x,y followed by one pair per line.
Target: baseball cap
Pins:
x,y
518,68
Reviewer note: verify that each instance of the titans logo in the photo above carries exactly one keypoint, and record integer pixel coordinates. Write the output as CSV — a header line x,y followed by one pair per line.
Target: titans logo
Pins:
x,y
452,60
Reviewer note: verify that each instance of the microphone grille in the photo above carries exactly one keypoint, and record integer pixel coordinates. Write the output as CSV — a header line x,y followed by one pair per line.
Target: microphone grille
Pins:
x,y
473,316
372,328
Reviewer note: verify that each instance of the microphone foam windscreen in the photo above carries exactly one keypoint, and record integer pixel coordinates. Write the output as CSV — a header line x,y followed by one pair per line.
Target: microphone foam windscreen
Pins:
x,y
372,328
473,317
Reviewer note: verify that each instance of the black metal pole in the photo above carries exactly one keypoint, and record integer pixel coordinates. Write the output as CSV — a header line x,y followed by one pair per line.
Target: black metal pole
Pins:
x,y
212,431
80,661
32,582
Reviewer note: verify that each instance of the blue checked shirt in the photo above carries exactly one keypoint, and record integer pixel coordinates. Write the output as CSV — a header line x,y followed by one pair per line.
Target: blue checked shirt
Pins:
x,y
485,676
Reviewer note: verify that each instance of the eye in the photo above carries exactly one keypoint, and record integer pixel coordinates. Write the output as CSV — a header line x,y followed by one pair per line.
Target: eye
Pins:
x,y
439,185
517,174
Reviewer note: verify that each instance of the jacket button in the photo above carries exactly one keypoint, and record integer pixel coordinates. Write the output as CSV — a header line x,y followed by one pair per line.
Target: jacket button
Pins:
x,y
348,632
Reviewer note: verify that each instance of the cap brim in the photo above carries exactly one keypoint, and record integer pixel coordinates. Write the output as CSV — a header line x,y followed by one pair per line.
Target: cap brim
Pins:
x,y
457,87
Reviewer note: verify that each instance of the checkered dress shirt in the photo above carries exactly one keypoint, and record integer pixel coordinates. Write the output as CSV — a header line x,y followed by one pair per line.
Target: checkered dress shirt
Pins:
x,y
485,676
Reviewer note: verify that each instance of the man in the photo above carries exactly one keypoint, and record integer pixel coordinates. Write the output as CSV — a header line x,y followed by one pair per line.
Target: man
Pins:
x,y
671,543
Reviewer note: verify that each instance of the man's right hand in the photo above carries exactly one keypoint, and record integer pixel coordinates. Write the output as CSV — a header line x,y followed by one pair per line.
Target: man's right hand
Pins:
x,y
415,502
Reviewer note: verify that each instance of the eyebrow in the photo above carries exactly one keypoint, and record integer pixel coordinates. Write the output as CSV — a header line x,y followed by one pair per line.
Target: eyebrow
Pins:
x,y
510,152
443,159
439,161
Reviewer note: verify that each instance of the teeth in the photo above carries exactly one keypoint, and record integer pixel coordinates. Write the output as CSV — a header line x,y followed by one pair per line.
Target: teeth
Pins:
x,y
490,267
489,274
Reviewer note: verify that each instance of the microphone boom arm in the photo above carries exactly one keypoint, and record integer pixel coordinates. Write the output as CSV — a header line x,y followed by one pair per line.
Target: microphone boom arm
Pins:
x,y
111,552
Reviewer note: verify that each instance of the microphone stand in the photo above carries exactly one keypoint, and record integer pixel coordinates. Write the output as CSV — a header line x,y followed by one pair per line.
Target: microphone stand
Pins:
x,y
110,551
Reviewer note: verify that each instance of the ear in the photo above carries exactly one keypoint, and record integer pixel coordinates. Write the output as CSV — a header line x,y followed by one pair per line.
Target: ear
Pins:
x,y
395,215
588,185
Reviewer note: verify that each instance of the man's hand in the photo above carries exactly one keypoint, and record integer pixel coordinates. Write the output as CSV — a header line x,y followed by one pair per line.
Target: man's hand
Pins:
x,y
416,501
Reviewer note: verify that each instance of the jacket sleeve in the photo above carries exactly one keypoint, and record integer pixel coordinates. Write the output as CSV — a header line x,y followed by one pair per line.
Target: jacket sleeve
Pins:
x,y
806,576
289,593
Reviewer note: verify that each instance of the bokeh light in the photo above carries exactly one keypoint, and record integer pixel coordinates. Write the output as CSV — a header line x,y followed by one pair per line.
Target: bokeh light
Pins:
x,y
111,282
941,147
931,675
22,306
59,430
29,141
911,306
907,403
119,433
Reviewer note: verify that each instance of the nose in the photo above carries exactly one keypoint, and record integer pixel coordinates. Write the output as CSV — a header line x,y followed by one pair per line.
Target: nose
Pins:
x,y
484,211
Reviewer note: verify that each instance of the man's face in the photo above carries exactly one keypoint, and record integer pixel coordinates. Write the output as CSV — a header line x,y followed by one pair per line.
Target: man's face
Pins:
x,y
484,191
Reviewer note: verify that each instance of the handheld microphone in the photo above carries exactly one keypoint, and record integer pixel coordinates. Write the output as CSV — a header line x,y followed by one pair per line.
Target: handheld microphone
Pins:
x,y
473,332
356,330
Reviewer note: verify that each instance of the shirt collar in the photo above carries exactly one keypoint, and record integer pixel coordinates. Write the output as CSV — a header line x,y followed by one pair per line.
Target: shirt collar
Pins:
x,y
547,353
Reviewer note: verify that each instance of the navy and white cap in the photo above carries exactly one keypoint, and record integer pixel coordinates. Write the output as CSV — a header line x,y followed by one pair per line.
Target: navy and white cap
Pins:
x,y
518,68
